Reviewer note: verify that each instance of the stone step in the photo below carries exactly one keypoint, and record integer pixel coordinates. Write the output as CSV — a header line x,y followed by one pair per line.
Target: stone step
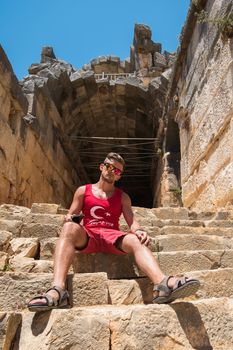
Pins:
x,y
163,243
96,289
133,327
158,223
160,213
186,230
176,242
189,223
84,289
49,225
44,231
170,262
214,283
125,267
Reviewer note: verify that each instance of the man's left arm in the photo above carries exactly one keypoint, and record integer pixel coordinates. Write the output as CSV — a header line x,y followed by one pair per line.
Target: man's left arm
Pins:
x,y
131,221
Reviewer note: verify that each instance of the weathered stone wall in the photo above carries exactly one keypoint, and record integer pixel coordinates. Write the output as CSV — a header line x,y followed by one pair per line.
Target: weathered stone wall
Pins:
x,y
202,90
33,164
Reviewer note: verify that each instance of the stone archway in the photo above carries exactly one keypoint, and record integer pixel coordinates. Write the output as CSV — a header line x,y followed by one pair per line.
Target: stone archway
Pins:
x,y
75,117
113,116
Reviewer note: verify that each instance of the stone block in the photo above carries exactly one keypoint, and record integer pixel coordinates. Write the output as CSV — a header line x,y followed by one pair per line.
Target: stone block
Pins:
x,y
18,288
5,237
24,247
134,291
21,264
10,322
202,215
13,226
215,283
227,259
184,230
40,230
3,260
218,223
177,242
47,248
209,130
88,289
213,167
182,262
15,212
170,213
219,68
223,214
176,222
24,264
76,79
42,266
64,329
204,330
160,60
44,208
223,184
115,266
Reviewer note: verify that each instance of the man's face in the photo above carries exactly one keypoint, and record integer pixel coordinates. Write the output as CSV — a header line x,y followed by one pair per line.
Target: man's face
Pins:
x,y
111,170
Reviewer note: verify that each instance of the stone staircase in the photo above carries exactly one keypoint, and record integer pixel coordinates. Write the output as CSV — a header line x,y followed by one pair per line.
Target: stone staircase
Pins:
x,y
110,297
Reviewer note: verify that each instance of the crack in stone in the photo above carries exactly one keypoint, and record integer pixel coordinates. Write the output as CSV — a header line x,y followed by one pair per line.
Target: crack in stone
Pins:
x,y
221,257
215,264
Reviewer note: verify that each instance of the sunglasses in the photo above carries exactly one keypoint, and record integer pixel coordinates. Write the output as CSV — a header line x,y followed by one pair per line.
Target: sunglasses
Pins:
x,y
111,167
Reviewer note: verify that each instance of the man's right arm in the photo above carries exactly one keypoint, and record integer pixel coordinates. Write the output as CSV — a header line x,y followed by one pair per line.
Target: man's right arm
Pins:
x,y
77,203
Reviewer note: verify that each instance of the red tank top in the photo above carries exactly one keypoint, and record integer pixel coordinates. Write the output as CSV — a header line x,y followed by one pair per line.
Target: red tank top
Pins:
x,y
102,212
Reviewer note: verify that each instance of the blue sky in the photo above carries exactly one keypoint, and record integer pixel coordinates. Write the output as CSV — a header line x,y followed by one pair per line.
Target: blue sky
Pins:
x,y
81,30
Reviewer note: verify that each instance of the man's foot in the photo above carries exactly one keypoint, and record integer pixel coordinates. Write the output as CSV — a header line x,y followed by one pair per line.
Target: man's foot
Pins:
x,y
54,297
171,288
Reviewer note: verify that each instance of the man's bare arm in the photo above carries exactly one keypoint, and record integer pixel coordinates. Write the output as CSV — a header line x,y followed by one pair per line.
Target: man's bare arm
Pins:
x,y
131,221
77,203
128,213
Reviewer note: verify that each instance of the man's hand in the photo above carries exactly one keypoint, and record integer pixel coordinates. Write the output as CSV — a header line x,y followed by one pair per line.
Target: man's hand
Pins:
x,y
68,218
142,236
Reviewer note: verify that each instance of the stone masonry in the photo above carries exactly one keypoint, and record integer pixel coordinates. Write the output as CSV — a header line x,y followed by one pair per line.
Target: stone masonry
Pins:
x,y
110,297
200,101
42,157
184,103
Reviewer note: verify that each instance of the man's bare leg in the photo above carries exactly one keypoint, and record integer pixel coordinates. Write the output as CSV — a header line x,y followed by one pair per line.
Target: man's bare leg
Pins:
x,y
144,258
72,236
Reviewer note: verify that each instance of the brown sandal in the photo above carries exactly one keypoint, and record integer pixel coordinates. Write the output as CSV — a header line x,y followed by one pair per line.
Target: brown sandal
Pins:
x,y
184,287
51,303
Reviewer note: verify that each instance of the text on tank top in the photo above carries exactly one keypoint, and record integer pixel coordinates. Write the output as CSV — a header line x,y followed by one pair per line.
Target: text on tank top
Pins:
x,y
100,212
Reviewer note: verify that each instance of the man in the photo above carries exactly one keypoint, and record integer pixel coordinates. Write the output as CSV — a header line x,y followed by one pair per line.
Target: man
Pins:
x,y
102,204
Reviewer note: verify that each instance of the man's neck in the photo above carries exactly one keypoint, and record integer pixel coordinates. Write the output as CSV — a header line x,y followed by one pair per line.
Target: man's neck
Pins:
x,y
105,186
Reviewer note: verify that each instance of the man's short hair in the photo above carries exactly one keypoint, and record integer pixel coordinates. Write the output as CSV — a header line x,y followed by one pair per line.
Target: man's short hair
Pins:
x,y
115,156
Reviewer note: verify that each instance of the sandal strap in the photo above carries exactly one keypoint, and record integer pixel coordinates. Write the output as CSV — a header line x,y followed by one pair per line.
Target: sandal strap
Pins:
x,y
180,281
50,300
62,293
163,286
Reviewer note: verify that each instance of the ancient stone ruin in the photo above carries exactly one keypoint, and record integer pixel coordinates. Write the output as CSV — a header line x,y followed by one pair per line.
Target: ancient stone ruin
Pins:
x,y
50,121
171,117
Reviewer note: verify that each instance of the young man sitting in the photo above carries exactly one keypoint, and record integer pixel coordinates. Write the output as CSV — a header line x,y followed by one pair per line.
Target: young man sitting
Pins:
x,y
102,204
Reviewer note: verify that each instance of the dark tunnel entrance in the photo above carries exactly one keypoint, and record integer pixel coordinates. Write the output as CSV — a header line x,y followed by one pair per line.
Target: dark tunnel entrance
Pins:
x,y
173,148
138,154
114,117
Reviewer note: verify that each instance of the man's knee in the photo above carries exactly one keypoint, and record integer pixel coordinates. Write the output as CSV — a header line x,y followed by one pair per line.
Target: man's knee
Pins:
x,y
71,230
130,243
